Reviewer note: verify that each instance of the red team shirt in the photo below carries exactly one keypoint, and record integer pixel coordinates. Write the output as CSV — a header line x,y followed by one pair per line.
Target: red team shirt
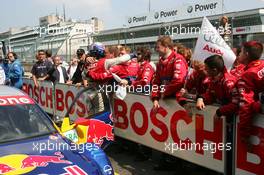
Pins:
x,y
171,72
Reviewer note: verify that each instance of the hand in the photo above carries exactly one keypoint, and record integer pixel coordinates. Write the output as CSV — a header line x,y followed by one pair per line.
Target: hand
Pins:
x,y
78,84
124,82
42,79
200,104
36,85
69,82
156,105
182,92
90,60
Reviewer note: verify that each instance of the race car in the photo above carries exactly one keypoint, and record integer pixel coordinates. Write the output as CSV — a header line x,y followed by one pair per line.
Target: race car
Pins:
x,y
30,143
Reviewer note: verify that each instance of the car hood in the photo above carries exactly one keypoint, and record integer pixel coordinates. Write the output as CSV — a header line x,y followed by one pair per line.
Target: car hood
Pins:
x,y
50,154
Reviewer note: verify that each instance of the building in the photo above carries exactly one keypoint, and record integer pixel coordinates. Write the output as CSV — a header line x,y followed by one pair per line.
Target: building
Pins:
x,y
143,30
53,33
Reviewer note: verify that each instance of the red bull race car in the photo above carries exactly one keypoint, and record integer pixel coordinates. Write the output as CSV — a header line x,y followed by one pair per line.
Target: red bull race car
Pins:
x,y
31,143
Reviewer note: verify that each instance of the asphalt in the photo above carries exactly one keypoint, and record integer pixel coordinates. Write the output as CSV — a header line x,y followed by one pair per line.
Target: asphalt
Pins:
x,y
124,163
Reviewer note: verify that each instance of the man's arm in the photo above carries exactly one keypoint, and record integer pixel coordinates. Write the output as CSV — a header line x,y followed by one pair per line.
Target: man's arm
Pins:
x,y
232,107
35,81
147,76
17,72
246,97
155,93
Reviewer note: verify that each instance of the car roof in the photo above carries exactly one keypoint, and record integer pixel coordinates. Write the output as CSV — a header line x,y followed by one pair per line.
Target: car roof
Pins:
x,y
10,91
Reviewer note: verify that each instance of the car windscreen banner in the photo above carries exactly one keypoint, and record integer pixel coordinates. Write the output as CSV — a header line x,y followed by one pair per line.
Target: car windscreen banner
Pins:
x,y
15,100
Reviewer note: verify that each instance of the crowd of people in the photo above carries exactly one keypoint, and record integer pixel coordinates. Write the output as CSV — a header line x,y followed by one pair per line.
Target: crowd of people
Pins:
x,y
175,75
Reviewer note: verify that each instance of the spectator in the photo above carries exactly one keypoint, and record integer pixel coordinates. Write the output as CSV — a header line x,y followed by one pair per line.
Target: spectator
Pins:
x,y
6,65
2,75
49,55
225,30
64,63
58,74
15,71
41,68
72,68
77,76
249,86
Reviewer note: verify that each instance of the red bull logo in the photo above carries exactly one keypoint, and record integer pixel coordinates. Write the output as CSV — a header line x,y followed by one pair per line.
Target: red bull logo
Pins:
x,y
21,163
43,161
98,130
5,168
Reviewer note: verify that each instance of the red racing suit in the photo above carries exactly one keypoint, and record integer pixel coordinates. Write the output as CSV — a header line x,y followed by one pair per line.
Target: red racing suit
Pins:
x,y
101,75
171,73
249,86
198,82
222,91
132,68
144,75
238,70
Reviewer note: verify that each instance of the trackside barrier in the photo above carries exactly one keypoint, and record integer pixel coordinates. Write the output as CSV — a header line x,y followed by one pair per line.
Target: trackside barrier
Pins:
x,y
251,162
186,133
56,99
172,125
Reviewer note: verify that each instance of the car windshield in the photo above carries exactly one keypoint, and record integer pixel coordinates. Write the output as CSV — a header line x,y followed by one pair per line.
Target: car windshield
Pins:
x,y
22,122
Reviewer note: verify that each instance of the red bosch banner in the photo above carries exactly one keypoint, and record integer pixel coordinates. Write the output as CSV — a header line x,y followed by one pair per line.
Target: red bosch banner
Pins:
x,y
187,133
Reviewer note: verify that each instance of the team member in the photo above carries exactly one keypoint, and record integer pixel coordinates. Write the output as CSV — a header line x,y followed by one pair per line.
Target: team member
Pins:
x,y
132,65
238,67
146,69
250,85
171,71
220,89
108,64
197,82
